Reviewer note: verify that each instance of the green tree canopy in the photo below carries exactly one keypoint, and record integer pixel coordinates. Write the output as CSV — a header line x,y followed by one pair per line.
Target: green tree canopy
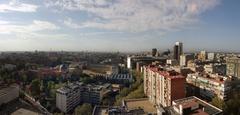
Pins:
x,y
35,87
85,109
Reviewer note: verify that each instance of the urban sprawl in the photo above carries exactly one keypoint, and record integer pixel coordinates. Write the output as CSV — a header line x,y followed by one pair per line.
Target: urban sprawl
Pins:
x,y
155,82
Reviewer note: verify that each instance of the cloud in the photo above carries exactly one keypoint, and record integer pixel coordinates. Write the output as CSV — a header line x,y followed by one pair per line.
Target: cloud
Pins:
x,y
37,29
37,25
14,5
136,15
68,22
3,22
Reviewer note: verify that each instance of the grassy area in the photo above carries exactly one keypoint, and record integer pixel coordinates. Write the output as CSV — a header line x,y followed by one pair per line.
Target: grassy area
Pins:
x,y
135,91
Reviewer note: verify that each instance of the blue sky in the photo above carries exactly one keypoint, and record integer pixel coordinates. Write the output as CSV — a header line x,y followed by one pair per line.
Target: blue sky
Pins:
x,y
119,25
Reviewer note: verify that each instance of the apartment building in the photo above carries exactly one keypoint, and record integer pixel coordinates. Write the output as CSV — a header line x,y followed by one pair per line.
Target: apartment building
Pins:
x,y
210,85
68,97
163,86
93,93
71,95
8,93
233,67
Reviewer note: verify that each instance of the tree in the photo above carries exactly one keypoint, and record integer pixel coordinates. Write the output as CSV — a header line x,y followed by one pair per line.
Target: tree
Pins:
x,y
138,93
35,87
24,77
85,109
232,105
219,103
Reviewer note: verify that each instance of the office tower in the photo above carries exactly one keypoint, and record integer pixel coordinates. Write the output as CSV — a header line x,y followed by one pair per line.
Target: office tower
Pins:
x,y
202,56
233,67
129,63
177,50
154,52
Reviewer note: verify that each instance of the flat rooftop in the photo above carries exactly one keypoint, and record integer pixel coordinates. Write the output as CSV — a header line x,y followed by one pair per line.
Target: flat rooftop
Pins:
x,y
204,107
143,103
100,110
23,111
5,90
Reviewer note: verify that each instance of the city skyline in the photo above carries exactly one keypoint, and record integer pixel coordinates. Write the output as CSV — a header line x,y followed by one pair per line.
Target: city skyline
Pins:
x,y
119,25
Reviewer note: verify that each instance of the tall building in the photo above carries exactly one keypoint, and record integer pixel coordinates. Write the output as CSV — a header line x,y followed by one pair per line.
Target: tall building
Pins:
x,y
71,95
154,52
202,55
177,50
162,87
68,97
183,60
129,63
233,67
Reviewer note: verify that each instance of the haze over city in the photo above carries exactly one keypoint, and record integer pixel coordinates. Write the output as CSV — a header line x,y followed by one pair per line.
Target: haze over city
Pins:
x,y
119,57
118,25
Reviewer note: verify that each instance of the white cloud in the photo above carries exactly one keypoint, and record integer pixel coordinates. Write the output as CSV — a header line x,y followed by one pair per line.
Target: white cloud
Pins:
x,y
3,22
136,15
68,22
37,25
14,5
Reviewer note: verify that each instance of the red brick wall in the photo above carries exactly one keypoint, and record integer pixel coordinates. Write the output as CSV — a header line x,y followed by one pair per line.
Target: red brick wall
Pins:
x,y
178,88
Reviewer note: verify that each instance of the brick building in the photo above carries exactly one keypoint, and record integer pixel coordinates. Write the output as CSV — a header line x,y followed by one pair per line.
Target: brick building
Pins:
x,y
163,86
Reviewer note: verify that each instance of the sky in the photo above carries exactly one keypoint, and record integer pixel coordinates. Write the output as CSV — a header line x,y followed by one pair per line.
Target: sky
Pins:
x,y
119,25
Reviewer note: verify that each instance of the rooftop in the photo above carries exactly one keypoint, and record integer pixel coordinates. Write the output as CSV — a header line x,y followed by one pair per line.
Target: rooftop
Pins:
x,y
199,107
168,73
4,90
93,87
143,103
212,77
23,111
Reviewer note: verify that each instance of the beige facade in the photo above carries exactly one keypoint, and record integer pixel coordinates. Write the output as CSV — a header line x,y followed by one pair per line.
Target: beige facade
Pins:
x,y
162,87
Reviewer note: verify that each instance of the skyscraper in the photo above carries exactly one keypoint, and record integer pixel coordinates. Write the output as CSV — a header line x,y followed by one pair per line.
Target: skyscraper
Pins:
x,y
177,50
129,64
154,52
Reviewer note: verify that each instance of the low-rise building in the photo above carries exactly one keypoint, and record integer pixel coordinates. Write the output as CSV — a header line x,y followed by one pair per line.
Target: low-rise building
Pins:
x,y
193,105
129,107
23,111
120,78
